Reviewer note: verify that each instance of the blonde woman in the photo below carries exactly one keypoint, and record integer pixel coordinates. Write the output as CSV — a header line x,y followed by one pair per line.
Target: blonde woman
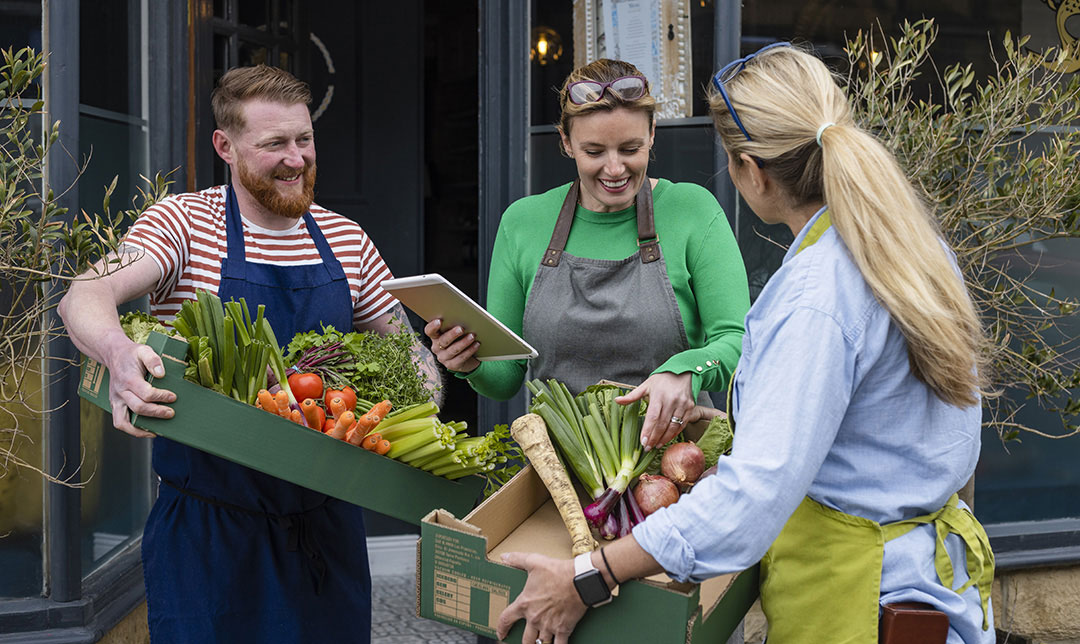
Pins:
x,y
856,399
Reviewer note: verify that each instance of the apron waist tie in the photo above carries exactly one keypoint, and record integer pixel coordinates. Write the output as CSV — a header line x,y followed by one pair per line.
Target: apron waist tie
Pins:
x,y
951,519
298,531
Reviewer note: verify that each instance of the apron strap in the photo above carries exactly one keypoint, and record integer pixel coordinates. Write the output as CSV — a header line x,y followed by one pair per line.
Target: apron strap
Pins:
x,y
951,519
648,242
234,264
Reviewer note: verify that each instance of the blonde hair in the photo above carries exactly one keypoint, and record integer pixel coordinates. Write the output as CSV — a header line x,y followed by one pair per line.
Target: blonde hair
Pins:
x,y
603,70
242,84
783,97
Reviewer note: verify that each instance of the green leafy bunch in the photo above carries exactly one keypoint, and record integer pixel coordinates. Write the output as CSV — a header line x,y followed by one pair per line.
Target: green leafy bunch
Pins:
x,y
996,159
377,366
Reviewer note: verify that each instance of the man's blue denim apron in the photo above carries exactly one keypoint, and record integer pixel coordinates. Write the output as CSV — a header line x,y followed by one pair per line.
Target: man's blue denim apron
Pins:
x,y
234,555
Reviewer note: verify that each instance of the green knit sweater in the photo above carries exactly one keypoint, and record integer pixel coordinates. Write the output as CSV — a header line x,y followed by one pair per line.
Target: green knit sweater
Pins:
x,y
703,264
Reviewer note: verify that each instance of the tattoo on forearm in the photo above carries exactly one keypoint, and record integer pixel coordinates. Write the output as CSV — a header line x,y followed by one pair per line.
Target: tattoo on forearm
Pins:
x,y
424,357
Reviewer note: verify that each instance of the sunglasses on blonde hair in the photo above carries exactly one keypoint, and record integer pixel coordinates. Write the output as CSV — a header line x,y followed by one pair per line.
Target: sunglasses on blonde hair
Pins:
x,y
625,87
732,69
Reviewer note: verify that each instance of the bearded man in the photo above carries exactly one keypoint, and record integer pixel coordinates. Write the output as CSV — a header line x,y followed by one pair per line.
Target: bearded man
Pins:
x,y
231,554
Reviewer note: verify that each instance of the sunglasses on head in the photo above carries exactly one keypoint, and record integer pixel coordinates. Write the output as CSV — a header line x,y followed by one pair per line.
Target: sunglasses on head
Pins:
x,y
729,71
587,91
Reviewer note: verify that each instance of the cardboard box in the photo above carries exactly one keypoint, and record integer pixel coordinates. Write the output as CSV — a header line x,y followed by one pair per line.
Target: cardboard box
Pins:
x,y
241,433
461,582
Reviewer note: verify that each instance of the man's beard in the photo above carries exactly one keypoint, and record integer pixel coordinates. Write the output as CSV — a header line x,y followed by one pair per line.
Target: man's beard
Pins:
x,y
264,190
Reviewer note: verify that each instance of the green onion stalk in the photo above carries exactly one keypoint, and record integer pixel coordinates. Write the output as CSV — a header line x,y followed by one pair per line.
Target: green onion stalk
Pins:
x,y
229,351
601,441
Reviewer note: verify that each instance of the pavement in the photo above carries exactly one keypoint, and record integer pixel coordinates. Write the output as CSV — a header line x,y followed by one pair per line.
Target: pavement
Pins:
x,y
394,620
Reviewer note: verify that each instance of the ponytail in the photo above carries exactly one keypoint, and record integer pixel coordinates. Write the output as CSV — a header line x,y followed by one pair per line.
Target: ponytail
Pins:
x,y
803,130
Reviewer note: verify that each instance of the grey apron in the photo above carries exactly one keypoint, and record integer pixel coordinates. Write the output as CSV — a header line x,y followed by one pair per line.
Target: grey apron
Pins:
x,y
592,319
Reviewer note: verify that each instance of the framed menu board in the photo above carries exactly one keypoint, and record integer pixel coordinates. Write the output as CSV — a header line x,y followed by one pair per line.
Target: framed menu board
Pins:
x,y
653,35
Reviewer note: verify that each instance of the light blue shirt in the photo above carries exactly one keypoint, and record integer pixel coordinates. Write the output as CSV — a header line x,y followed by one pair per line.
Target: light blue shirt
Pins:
x,y
826,405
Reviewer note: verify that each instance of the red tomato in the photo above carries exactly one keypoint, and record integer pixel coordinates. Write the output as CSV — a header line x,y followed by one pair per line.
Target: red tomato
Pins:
x,y
306,385
348,396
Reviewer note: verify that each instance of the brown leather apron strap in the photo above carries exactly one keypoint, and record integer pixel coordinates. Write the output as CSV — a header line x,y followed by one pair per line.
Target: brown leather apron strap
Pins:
x,y
648,242
562,227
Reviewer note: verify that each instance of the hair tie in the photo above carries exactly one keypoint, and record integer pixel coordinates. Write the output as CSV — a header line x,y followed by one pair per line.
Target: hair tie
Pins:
x,y
822,129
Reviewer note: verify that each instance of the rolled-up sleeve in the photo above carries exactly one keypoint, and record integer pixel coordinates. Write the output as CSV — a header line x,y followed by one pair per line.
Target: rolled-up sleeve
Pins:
x,y
792,388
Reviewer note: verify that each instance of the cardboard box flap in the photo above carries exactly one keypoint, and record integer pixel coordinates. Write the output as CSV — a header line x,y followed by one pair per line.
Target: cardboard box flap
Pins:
x,y
500,514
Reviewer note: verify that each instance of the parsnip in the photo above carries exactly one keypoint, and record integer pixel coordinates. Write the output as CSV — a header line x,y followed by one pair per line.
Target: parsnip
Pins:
x,y
531,434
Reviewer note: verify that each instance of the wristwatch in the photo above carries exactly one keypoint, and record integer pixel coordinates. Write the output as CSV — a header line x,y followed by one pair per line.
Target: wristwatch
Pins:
x,y
589,582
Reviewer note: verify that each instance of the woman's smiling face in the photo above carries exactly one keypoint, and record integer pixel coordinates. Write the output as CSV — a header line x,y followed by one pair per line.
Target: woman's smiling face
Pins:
x,y
611,150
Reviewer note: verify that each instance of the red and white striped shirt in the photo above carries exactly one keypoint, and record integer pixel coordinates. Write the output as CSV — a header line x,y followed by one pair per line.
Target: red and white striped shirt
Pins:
x,y
185,235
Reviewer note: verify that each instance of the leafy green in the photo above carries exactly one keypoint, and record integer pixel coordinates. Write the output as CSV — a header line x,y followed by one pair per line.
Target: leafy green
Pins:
x,y
716,440
376,366
137,325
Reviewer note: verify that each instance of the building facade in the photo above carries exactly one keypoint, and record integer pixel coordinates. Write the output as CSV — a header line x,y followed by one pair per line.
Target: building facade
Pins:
x,y
431,117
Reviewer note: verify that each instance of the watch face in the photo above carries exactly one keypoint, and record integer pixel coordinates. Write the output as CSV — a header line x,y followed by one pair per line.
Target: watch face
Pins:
x,y
591,587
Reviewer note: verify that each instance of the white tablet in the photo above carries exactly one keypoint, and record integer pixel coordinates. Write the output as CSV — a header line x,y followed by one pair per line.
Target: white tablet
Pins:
x,y
431,296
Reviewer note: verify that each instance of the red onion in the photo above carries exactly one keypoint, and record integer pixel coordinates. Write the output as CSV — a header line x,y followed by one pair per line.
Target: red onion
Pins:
x,y
654,492
683,463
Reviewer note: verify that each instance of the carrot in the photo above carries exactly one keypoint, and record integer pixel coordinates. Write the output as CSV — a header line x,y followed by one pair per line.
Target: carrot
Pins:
x,y
531,434
382,447
369,420
266,400
341,425
296,417
311,411
337,406
282,400
371,441
328,425
354,437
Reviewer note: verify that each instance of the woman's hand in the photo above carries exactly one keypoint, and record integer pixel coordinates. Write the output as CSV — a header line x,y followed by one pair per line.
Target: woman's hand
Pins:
x,y
671,401
549,602
453,348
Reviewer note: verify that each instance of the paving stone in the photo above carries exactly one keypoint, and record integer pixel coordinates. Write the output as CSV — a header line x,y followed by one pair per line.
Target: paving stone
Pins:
x,y
394,620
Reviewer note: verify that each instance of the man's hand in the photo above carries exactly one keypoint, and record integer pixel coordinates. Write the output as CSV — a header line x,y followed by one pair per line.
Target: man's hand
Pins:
x,y
670,399
128,364
89,313
549,602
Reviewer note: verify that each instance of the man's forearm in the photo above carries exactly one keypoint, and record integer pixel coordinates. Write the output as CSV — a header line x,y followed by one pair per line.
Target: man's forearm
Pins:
x,y
89,314
433,379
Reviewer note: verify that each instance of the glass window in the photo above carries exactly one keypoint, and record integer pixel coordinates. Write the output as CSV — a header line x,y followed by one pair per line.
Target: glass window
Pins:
x,y
254,13
20,24
21,506
252,54
21,521
110,74
113,137
1036,478
553,23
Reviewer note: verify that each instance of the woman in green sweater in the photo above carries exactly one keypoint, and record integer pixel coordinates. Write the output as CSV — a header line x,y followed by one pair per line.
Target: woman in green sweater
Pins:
x,y
616,275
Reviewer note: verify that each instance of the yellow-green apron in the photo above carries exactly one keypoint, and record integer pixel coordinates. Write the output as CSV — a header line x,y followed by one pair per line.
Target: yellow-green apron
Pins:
x,y
821,579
